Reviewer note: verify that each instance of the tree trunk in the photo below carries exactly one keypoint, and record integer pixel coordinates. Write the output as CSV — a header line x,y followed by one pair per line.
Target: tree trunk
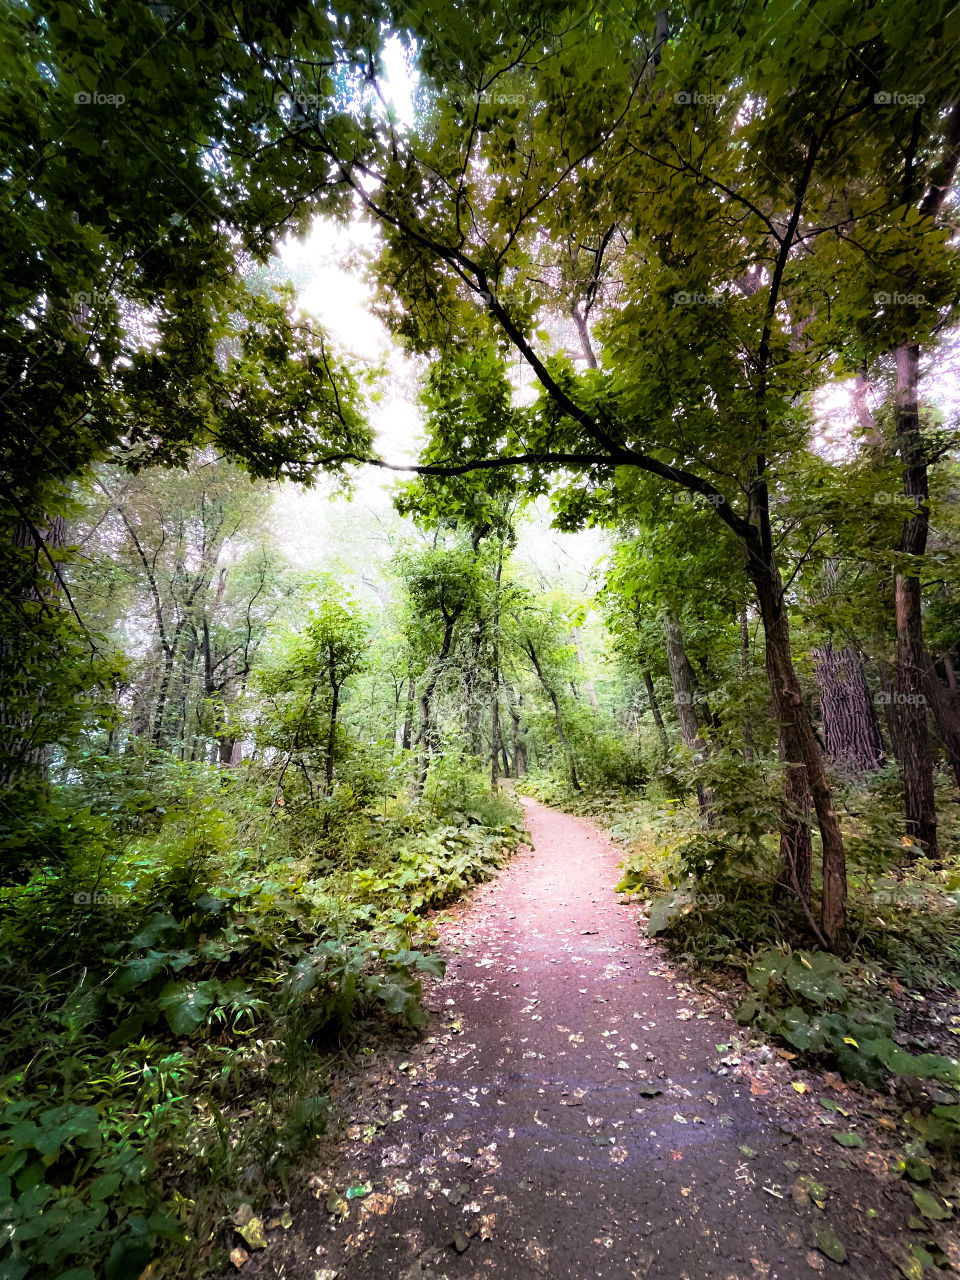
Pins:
x,y
585,680
949,673
744,684
496,741
407,734
655,709
888,697
557,718
796,844
851,731
494,738
916,758
801,744
681,675
519,736
331,740
946,715
24,758
427,735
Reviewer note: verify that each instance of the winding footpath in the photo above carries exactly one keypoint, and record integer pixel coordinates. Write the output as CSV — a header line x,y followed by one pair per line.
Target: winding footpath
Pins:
x,y
576,1112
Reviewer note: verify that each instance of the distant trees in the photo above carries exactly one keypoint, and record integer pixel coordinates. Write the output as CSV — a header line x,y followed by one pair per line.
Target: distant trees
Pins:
x,y
179,566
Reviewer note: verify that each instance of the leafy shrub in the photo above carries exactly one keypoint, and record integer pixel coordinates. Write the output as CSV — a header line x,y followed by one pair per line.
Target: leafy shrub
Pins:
x,y
821,1006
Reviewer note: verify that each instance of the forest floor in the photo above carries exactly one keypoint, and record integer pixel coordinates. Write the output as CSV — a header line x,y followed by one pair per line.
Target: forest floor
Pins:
x,y
577,1109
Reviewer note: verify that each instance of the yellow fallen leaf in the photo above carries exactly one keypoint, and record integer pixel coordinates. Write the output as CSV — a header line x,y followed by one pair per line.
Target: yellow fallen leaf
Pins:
x,y
799,1086
253,1234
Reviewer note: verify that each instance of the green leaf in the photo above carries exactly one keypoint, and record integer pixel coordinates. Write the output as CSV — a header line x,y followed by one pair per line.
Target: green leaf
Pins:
x,y
829,1243
129,1257
915,1169
136,972
931,1207
186,1004
849,1140
157,927
305,974
66,1125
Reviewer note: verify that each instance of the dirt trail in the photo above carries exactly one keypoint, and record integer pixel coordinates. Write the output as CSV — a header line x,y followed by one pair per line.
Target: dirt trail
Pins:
x,y
572,1115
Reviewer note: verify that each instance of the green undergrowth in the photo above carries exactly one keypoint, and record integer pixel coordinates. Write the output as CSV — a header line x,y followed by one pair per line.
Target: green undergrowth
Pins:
x,y
175,1002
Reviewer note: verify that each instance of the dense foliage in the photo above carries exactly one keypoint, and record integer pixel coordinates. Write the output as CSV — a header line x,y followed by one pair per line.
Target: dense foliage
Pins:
x,y
684,283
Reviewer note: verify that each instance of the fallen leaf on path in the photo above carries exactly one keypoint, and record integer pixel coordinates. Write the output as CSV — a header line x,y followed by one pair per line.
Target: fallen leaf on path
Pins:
x,y
460,1242
337,1205
829,1243
253,1234
849,1139
931,1207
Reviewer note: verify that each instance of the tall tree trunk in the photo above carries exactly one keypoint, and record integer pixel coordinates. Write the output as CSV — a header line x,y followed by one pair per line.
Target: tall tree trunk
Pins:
x,y
496,741
24,758
851,731
427,736
519,736
950,673
585,680
744,684
796,844
163,692
916,757
407,734
331,740
801,744
888,698
557,717
946,715
655,709
681,675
